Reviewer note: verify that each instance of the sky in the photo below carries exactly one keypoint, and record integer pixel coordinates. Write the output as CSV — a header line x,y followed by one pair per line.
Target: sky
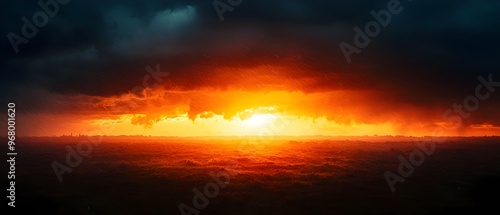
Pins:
x,y
270,67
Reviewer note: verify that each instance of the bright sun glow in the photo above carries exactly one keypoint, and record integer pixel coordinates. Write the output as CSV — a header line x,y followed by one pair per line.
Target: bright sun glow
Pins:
x,y
257,120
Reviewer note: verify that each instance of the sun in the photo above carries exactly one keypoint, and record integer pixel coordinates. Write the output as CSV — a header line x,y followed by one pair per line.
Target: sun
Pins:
x,y
257,120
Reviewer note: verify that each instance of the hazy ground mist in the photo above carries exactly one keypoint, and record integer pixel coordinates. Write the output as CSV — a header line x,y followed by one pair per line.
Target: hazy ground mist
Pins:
x,y
142,175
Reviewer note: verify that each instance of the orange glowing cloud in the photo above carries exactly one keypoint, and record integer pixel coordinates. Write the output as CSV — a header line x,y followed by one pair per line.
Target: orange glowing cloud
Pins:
x,y
215,112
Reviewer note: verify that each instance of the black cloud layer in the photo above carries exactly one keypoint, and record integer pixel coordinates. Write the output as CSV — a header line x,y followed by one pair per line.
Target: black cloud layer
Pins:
x,y
429,55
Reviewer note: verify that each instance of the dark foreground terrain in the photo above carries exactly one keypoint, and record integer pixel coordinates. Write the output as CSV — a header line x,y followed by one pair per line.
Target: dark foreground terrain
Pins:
x,y
320,175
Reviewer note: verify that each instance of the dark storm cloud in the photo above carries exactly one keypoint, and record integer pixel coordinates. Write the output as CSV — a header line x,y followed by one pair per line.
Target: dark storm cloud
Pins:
x,y
429,55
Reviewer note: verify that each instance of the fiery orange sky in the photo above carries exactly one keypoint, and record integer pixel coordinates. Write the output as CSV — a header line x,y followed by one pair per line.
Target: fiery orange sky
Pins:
x,y
233,112
173,68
